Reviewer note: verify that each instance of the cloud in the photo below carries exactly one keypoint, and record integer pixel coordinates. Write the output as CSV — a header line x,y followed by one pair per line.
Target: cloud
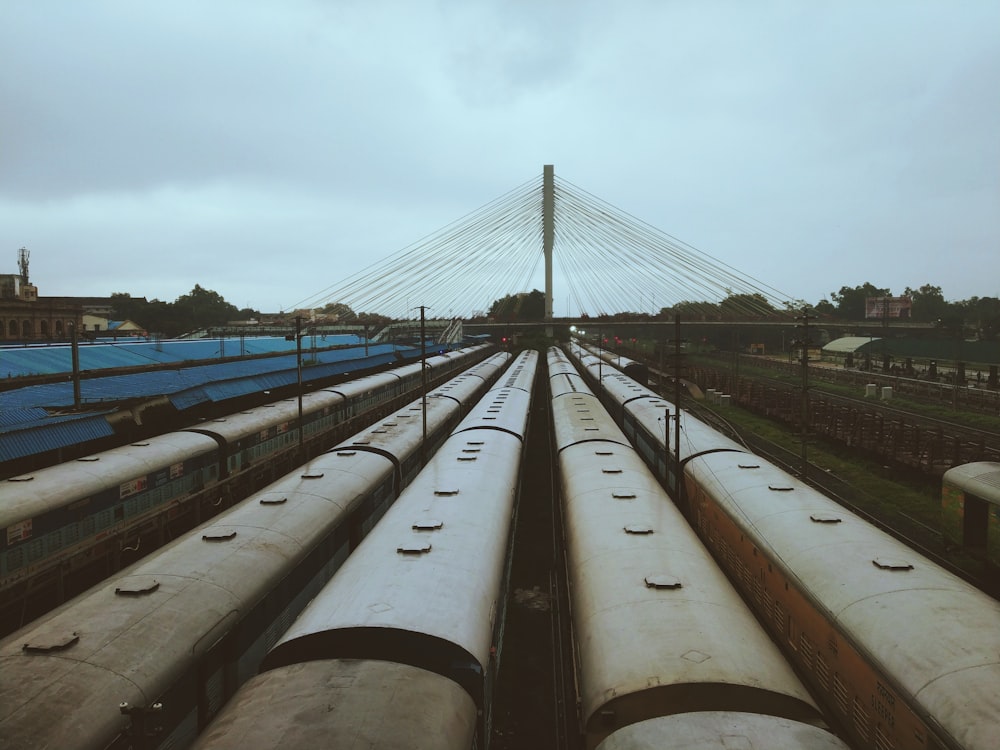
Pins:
x,y
814,146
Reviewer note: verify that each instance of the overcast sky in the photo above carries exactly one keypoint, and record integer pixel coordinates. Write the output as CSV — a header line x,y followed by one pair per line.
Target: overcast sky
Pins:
x,y
266,149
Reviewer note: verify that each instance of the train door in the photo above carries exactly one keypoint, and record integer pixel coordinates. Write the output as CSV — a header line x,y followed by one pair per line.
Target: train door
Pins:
x,y
975,522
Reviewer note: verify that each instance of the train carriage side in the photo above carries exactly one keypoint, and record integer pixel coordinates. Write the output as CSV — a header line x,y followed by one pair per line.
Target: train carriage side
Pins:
x,y
906,654
71,525
185,626
658,630
65,525
419,606
970,508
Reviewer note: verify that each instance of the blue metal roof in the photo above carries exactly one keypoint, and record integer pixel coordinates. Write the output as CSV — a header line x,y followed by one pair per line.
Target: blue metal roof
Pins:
x,y
53,433
27,429
102,354
166,382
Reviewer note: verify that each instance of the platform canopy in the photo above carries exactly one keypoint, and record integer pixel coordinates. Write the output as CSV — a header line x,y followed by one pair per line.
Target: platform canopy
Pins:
x,y
848,344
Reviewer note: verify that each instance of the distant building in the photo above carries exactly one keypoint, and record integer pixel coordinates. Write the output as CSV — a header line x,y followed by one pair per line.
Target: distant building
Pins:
x,y
100,325
27,318
13,286
877,308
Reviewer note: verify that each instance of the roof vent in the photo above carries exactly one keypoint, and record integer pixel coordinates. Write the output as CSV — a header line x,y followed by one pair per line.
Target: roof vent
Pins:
x,y
638,529
44,646
137,587
219,536
889,563
431,524
662,581
413,548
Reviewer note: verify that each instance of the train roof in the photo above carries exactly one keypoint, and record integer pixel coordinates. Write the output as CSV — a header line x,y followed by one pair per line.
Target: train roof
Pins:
x,y
938,636
981,478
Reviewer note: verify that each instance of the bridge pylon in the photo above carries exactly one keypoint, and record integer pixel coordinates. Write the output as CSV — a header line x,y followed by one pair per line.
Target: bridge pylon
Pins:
x,y
548,234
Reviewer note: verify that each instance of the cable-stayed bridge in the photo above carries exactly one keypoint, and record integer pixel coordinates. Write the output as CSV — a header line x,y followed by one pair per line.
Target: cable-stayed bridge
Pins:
x,y
550,233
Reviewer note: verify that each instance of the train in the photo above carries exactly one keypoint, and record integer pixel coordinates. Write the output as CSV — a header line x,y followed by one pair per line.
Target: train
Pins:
x,y
661,638
148,657
638,371
401,649
970,509
905,655
70,525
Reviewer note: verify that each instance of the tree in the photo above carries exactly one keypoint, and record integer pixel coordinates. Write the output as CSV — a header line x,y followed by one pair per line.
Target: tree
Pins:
x,y
983,313
746,306
342,311
691,311
851,301
929,304
523,306
126,307
202,308
825,308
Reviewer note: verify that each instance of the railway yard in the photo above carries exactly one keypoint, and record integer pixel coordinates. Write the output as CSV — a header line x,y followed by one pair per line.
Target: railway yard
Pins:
x,y
652,590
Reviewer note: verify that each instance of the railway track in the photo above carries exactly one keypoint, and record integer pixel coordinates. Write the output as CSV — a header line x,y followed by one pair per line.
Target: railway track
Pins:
x,y
896,435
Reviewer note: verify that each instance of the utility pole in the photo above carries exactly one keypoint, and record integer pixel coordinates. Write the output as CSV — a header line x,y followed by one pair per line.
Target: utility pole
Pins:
x,y
298,360
804,343
423,383
677,404
76,366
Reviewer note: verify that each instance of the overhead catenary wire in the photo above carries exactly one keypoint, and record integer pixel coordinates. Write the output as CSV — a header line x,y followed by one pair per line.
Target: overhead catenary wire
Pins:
x,y
607,260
